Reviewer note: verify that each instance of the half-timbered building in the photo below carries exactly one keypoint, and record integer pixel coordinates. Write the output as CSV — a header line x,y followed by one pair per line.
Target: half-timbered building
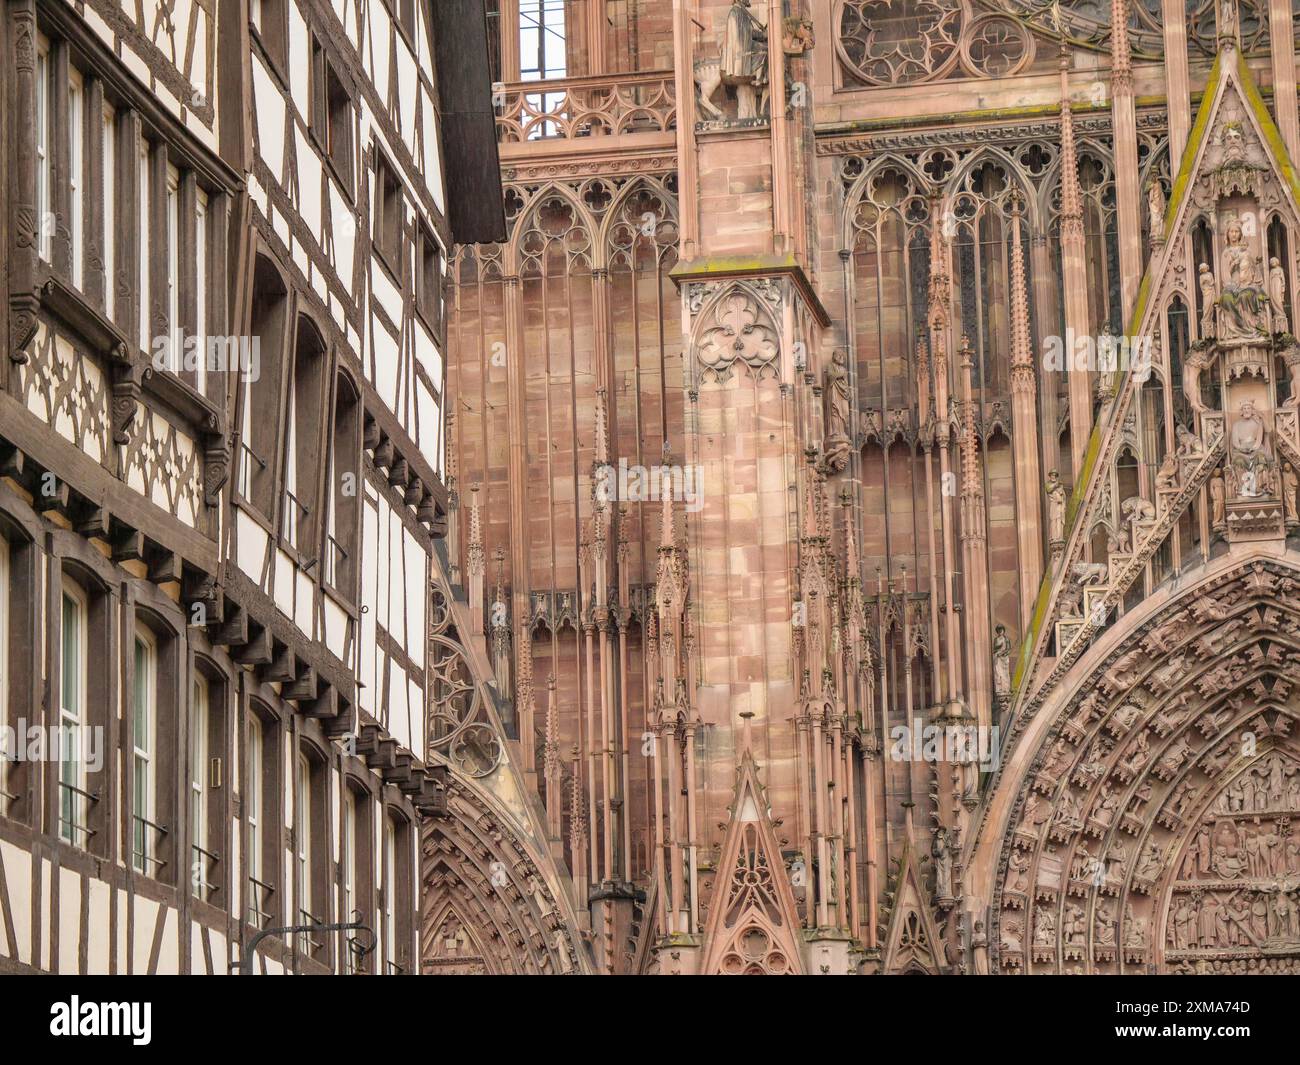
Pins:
x,y
222,434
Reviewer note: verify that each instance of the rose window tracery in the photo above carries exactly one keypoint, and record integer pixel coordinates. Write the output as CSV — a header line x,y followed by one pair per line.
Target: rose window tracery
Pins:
x,y
899,42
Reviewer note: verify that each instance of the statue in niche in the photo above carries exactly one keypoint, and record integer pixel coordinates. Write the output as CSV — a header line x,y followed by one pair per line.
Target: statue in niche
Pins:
x,y
1156,210
1055,508
1182,921
1135,928
942,858
1285,917
1292,358
740,69
1148,866
1018,880
1250,452
1073,929
839,435
979,947
1209,297
1011,936
1218,510
1289,487
1208,921
1243,303
1001,661
1277,295
1044,927
1105,924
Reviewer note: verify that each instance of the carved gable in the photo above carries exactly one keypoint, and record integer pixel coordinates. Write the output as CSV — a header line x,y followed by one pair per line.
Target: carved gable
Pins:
x,y
1227,463
753,924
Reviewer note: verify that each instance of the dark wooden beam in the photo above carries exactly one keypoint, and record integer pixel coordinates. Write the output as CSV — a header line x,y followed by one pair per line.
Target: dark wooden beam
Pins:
x,y
164,565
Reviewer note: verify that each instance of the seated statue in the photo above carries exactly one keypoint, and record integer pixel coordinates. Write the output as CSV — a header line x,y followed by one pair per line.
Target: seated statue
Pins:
x,y
1243,302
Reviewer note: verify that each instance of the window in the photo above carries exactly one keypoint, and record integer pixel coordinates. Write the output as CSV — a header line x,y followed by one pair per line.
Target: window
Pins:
x,y
542,55
142,241
174,332
73,813
313,889
541,39
201,871
259,811
109,137
200,378
303,459
271,19
331,113
345,490
349,854
76,173
428,290
144,785
388,216
390,893
303,808
44,172
349,865
261,415
398,904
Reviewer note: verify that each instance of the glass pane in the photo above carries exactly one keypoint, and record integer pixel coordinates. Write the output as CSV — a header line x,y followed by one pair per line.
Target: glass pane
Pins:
x,y
71,656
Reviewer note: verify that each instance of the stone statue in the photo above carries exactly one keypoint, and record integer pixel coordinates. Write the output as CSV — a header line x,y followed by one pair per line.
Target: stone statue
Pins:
x,y
1105,924
1277,295
1156,210
979,947
1167,474
839,435
797,36
1136,509
1289,485
1193,364
1209,298
1135,928
741,66
1055,508
942,858
1249,451
1148,866
1044,927
1292,358
1228,19
1001,661
1243,311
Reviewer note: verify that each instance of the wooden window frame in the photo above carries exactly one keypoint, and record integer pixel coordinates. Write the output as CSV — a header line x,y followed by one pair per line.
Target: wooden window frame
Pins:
x,y
389,214
331,115
429,282
266,841
269,21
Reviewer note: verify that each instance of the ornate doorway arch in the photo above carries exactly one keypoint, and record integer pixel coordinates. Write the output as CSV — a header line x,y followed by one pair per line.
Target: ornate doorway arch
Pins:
x,y
1148,816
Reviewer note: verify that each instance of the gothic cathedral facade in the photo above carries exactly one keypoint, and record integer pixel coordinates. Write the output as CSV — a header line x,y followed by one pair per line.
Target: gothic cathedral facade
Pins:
x,y
873,466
